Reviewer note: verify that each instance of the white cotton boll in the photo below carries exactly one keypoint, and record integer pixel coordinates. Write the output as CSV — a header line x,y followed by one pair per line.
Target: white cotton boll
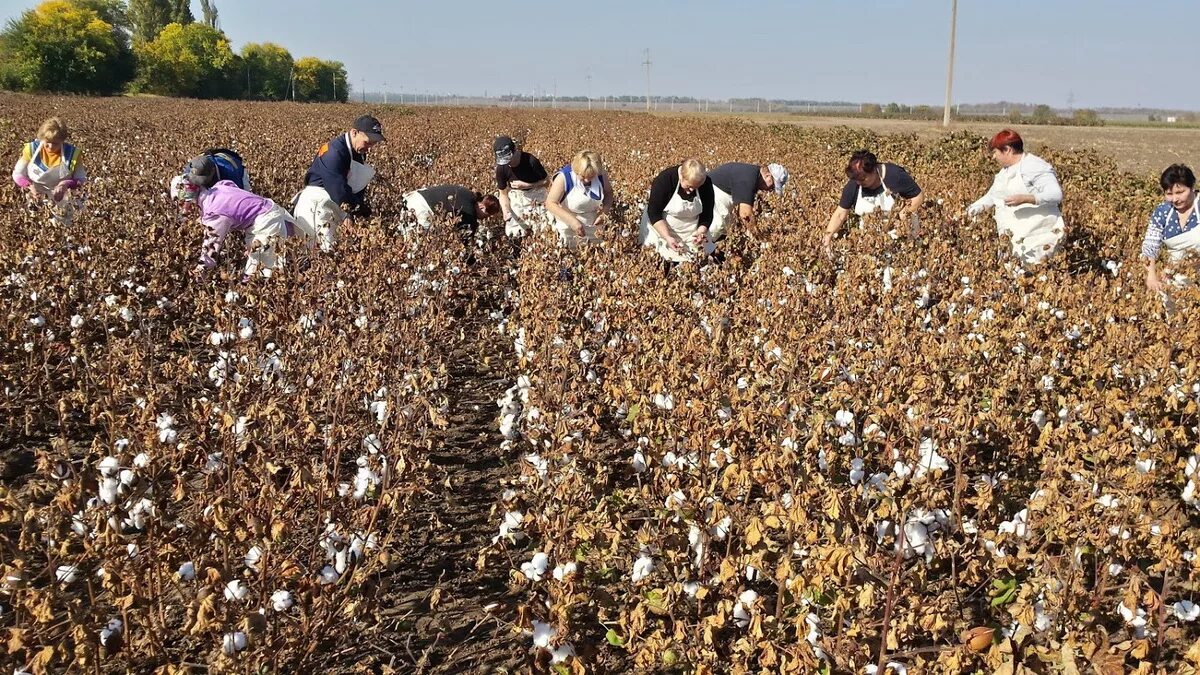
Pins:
x,y
1048,383
1115,569
111,633
361,321
109,466
930,459
328,575
543,634
848,439
281,601
236,590
822,461
187,571
1018,526
721,529
109,488
1108,501
902,470
126,477
252,558
535,569
561,572
233,643
586,356
66,574
639,462
245,332
76,321
372,444
856,471
741,609
642,567
1193,464
562,652
676,499
844,418
1038,418
664,401
38,321
1186,610
141,461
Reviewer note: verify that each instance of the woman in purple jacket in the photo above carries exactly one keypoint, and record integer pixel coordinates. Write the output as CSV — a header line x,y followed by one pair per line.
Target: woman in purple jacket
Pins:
x,y
226,208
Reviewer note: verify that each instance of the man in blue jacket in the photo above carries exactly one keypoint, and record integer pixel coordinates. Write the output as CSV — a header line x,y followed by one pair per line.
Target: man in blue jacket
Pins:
x,y
335,186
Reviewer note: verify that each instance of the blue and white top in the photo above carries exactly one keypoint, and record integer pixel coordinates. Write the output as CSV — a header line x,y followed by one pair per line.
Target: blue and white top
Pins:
x,y
1164,224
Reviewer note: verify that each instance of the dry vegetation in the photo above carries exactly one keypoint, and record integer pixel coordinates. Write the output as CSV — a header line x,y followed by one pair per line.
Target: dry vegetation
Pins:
x,y
913,457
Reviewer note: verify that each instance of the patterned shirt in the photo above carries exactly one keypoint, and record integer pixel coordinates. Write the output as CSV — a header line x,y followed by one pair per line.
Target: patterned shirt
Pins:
x,y
1164,224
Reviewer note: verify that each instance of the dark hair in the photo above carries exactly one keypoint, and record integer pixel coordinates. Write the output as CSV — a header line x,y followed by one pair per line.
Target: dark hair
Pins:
x,y
862,164
202,171
1007,138
491,205
1177,174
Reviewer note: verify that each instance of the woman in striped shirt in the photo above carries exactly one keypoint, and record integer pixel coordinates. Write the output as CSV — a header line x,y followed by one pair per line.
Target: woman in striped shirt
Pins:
x,y
1172,225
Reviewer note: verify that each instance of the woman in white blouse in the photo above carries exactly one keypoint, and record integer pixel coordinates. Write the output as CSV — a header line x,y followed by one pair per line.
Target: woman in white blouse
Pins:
x,y
1026,196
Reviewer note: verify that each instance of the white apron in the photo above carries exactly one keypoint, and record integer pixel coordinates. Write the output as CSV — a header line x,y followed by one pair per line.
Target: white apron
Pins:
x,y
419,207
260,239
724,212
1036,231
585,207
884,201
44,180
683,217
1178,248
360,174
528,208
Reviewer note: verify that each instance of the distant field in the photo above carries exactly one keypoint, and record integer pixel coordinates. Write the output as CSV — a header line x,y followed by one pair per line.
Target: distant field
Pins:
x,y
1137,149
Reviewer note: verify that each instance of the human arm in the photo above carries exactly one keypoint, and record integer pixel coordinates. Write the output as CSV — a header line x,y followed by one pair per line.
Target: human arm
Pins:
x,y
1151,245
20,172
558,190
836,220
987,201
216,229
661,190
1042,181
707,200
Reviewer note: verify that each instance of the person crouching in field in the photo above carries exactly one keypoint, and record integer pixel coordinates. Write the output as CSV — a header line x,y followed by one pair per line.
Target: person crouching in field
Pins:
x,y
217,164
464,205
735,185
224,209
870,187
678,213
336,183
49,168
521,180
1026,196
1172,226
580,199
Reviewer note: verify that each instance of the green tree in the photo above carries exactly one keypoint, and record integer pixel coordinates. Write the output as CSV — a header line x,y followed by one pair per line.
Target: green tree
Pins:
x,y
63,46
318,80
871,109
188,60
181,12
892,109
268,70
1086,118
148,18
208,9
1043,114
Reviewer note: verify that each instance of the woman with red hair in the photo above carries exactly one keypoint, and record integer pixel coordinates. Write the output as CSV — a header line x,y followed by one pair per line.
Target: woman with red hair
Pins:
x,y
1026,196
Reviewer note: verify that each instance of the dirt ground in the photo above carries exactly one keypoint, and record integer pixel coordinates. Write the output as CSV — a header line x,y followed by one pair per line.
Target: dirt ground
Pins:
x,y
1146,150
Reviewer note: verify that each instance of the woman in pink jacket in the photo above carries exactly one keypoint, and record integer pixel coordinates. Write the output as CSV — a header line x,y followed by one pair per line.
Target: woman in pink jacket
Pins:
x,y
225,208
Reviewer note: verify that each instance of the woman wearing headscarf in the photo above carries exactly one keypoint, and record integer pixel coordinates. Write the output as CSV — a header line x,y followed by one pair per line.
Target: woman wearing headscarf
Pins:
x,y
1026,196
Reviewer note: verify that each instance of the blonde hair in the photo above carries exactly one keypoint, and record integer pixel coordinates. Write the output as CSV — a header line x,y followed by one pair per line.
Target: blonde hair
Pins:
x,y
587,164
693,170
53,130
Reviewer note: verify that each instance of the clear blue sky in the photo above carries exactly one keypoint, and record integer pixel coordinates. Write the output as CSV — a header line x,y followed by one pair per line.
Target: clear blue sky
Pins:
x,y
1107,52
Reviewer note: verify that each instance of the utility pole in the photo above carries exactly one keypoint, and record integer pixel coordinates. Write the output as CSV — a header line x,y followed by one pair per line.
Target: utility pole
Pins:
x,y
363,82
385,92
589,82
647,63
950,63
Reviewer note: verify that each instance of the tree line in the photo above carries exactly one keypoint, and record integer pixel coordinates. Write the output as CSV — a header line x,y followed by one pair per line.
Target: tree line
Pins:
x,y
106,47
